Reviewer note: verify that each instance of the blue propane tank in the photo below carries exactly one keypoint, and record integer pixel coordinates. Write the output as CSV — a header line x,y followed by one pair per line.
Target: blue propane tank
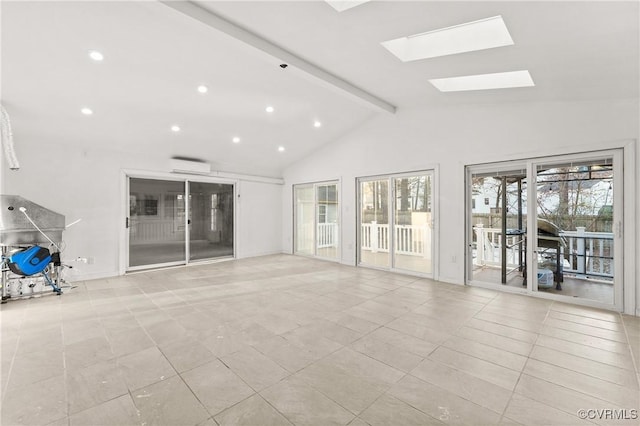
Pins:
x,y
30,261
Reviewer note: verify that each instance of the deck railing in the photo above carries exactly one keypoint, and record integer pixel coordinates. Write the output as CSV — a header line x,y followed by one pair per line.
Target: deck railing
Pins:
x,y
411,240
587,254
327,235
590,253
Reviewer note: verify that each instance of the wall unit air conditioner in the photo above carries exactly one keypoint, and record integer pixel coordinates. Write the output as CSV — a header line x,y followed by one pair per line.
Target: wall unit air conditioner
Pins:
x,y
190,166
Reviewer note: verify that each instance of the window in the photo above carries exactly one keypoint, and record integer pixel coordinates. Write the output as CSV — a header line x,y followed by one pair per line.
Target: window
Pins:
x,y
322,213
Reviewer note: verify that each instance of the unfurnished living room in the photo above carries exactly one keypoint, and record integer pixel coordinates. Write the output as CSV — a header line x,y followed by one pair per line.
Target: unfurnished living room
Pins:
x,y
319,213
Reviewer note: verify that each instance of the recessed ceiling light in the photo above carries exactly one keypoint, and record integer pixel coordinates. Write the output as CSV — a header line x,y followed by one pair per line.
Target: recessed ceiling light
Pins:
x,y
342,5
203,89
317,124
471,36
269,109
86,111
281,148
96,56
236,139
501,80
175,128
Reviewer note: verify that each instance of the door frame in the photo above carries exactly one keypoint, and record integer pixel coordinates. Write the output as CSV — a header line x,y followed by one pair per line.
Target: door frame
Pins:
x,y
622,287
126,174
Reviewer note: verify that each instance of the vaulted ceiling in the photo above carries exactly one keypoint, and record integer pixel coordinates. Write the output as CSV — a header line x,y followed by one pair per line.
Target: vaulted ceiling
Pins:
x,y
156,55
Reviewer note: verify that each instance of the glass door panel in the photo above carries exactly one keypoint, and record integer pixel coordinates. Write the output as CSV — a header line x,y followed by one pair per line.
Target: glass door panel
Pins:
x,y
304,220
574,249
498,226
156,222
210,220
413,224
375,244
327,215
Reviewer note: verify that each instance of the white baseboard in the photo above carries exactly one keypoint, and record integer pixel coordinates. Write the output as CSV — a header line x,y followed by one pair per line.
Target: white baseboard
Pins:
x,y
455,281
74,278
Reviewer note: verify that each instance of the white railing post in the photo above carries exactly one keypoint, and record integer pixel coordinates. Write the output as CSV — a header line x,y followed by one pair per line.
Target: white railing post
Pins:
x,y
580,251
480,243
334,240
374,237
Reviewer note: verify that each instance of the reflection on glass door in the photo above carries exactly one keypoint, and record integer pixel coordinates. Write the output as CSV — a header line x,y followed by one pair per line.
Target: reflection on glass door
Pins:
x,y
413,224
156,222
374,223
574,251
316,217
210,220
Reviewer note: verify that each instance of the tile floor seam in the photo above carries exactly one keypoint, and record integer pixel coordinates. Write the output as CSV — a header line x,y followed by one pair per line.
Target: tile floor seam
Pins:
x,y
326,396
70,413
590,325
582,372
574,389
588,347
13,359
481,359
451,392
504,325
585,334
631,353
386,393
133,401
513,391
246,383
461,396
212,415
495,347
272,406
540,400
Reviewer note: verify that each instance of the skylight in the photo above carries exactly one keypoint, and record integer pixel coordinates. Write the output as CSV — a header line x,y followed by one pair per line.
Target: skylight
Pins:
x,y
342,5
478,35
501,80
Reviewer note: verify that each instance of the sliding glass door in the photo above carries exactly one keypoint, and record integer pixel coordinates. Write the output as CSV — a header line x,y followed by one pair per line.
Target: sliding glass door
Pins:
x,y
156,222
577,217
317,220
211,220
173,222
564,243
396,219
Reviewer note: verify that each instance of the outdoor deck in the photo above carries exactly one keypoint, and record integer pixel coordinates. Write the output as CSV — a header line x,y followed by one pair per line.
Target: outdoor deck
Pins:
x,y
572,286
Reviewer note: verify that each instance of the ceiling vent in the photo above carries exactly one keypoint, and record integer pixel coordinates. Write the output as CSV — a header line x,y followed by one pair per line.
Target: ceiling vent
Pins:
x,y
190,166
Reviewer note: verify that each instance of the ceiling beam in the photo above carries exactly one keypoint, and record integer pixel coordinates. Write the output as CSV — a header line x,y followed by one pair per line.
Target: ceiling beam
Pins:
x,y
219,23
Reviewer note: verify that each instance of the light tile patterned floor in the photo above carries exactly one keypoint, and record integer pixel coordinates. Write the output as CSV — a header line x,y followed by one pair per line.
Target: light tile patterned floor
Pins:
x,y
281,340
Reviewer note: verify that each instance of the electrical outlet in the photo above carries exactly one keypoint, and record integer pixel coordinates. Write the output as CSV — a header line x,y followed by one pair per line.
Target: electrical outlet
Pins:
x,y
91,260
454,259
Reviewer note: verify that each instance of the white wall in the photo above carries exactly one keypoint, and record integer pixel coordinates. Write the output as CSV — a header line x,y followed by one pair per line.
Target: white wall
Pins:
x,y
87,184
452,137
260,219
